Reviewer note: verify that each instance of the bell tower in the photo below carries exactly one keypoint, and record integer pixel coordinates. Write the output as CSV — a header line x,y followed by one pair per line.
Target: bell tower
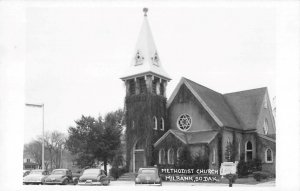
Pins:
x,y
145,101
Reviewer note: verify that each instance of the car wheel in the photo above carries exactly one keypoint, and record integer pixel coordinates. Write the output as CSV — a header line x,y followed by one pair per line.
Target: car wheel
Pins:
x,y
65,182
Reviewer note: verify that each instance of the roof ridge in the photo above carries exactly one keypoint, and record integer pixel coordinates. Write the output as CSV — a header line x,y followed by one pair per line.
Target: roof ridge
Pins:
x,y
201,85
254,89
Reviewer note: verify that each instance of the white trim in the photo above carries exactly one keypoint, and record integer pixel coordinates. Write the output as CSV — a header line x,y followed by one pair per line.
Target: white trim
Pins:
x,y
183,81
266,155
165,135
267,138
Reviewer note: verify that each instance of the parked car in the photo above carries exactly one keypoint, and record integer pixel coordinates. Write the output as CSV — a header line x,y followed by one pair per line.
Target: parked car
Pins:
x,y
148,175
60,176
93,176
36,177
25,172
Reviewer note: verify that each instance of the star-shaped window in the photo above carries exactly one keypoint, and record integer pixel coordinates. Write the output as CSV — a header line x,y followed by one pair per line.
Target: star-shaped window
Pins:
x,y
184,122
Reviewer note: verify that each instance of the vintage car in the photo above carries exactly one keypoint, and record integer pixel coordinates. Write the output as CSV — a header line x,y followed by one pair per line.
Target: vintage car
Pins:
x,y
93,176
148,175
60,176
25,172
36,177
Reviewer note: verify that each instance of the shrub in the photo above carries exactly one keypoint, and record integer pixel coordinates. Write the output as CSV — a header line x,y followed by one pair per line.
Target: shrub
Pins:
x,y
116,172
246,168
242,168
259,175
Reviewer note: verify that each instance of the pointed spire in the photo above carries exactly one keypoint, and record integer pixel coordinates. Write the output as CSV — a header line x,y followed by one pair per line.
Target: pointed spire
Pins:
x,y
146,58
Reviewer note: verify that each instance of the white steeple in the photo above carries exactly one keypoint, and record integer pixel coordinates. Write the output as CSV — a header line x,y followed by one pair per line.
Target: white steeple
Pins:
x,y
146,58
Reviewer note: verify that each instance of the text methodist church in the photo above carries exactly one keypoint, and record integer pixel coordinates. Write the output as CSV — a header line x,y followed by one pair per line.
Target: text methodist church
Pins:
x,y
194,117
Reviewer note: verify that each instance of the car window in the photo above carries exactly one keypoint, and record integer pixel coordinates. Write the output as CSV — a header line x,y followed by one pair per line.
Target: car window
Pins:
x,y
58,172
36,172
148,171
91,171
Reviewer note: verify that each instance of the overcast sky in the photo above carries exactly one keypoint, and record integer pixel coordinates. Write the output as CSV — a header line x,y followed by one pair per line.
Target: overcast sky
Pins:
x,y
76,55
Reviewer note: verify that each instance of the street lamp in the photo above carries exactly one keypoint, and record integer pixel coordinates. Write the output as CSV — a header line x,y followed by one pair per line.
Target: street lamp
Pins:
x,y
43,143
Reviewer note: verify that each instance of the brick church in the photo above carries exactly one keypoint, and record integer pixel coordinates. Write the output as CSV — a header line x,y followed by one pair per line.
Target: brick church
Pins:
x,y
196,117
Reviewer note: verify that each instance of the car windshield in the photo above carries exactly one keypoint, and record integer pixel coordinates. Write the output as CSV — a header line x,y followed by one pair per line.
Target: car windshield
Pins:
x,y
36,172
91,171
58,172
148,171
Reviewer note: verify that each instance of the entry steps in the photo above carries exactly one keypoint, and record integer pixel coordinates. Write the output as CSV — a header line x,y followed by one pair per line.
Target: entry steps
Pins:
x,y
129,176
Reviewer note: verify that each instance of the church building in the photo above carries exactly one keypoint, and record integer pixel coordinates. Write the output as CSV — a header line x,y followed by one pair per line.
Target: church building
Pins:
x,y
194,117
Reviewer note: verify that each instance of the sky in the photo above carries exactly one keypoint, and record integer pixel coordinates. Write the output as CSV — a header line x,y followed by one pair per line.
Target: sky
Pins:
x,y
75,56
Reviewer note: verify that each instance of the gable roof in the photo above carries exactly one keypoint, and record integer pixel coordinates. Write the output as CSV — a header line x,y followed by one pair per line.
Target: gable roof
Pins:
x,y
212,101
247,105
238,110
189,137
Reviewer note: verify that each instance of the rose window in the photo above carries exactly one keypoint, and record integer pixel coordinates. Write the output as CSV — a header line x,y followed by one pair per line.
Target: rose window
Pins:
x,y
184,122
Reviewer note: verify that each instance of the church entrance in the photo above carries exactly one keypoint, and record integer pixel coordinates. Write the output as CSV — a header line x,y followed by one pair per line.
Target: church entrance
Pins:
x,y
139,159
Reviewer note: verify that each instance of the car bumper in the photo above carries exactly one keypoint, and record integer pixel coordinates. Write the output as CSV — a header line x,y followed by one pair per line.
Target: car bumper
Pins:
x,y
51,183
149,182
32,182
90,183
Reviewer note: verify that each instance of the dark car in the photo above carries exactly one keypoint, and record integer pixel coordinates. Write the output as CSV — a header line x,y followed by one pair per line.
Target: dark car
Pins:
x,y
60,176
148,176
93,176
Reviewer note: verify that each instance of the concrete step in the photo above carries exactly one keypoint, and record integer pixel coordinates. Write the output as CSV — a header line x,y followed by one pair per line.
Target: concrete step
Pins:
x,y
127,176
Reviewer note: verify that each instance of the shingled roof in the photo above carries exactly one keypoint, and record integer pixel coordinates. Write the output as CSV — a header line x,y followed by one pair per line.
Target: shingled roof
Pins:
x,y
238,110
246,105
190,137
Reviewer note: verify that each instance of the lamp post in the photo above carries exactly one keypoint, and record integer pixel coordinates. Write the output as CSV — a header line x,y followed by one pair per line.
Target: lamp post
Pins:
x,y
43,142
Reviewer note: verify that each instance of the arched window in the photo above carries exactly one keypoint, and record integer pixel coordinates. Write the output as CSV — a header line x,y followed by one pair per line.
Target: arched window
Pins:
x,y
161,156
162,123
268,155
179,150
170,156
155,123
266,126
248,151
214,156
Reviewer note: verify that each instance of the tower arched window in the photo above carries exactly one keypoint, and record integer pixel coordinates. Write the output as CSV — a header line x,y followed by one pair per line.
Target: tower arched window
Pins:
x,y
161,156
155,123
248,151
268,155
170,156
162,124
